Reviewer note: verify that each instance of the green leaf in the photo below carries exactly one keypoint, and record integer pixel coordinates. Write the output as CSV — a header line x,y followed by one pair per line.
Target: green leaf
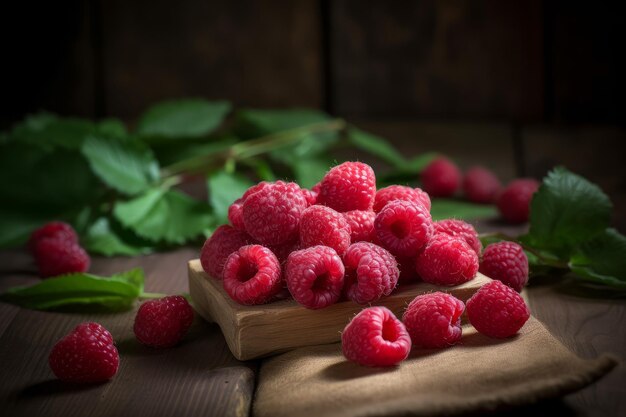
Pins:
x,y
127,166
566,211
445,208
602,260
224,189
308,172
170,153
178,119
164,215
417,164
101,239
112,128
253,122
17,225
117,292
376,146
48,131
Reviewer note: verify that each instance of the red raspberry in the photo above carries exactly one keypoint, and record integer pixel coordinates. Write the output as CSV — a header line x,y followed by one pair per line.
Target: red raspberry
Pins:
x,y
496,310
361,225
163,323
283,251
403,227
441,178
272,214
481,185
85,355
59,256
321,225
235,210
434,320
408,275
447,260
460,229
252,275
349,186
371,272
506,262
224,241
310,196
52,230
514,201
400,192
375,337
315,276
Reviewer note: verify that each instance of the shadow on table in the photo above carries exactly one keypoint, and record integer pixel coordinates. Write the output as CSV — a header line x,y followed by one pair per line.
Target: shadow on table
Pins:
x,y
53,387
547,408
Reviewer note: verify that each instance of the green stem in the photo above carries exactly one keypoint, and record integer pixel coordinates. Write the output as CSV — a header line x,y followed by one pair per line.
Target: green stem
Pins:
x,y
151,295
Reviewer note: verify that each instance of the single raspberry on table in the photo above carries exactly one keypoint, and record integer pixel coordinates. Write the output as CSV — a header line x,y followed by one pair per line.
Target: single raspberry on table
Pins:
x,y
514,201
480,185
86,355
506,262
272,214
400,192
224,241
163,323
321,225
252,275
59,256
460,229
315,276
403,227
434,320
370,272
496,310
361,225
52,230
349,186
375,337
441,178
447,260
235,210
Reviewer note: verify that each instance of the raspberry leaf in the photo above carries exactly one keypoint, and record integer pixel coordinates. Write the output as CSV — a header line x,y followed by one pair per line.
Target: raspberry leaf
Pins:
x,y
100,238
48,131
224,189
602,260
252,123
446,208
376,146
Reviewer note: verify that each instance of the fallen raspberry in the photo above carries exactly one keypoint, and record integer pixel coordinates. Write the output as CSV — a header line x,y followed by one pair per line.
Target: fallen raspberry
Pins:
x,y
361,225
400,192
224,241
52,230
370,272
496,310
252,275
434,320
480,185
163,323
272,214
235,210
514,201
375,337
441,178
506,262
349,186
59,256
315,276
460,229
321,225
447,260
403,227
86,355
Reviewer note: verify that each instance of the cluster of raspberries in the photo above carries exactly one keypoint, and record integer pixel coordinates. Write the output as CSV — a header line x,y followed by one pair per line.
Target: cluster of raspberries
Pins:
x,y
342,239
57,251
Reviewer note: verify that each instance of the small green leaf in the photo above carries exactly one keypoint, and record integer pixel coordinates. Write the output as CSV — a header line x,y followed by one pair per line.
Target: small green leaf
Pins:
x,y
417,164
48,131
376,146
253,122
17,225
112,128
602,260
101,239
308,172
445,209
224,189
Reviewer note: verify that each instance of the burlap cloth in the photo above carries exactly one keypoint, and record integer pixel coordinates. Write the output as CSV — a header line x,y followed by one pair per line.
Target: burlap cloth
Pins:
x,y
478,374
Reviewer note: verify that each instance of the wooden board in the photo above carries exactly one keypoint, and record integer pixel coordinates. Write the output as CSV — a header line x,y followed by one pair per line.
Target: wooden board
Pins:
x,y
255,331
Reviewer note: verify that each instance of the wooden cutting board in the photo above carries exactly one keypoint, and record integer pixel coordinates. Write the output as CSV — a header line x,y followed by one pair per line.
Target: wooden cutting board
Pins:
x,y
255,331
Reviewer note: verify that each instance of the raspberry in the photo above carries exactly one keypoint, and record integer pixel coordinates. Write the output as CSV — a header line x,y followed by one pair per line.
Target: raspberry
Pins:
x,y
283,251
400,192
408,274
514,201
460,229
315,276
58,256
371,272
481,185
375,337
447,260
224,241
403,227
163,323
252,275
441,178
86,355
349,186
52,230
506,262
310,196
272,214
434,320
361,225
496,310
235,210
321,225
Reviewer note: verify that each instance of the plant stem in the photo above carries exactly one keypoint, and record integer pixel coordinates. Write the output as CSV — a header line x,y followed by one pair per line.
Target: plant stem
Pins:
x,y
151,295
